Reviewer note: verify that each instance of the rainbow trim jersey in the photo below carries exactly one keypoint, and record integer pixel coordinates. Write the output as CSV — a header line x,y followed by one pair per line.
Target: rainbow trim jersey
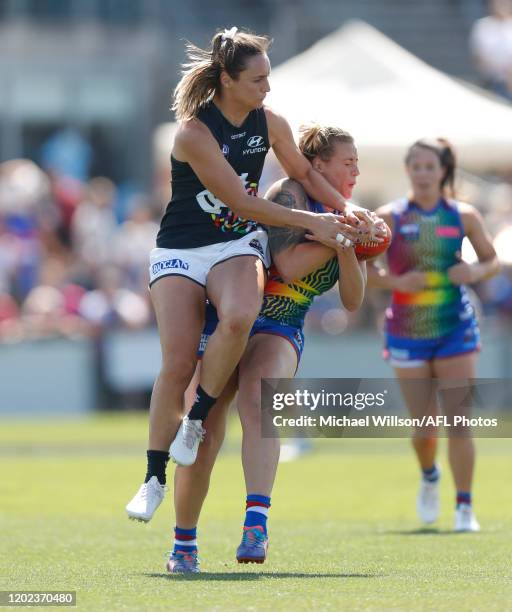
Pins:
x,y
289,303
430,242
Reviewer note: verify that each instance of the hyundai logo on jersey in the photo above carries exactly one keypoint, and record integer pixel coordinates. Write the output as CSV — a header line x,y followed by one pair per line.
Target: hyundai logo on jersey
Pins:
x,y
255,141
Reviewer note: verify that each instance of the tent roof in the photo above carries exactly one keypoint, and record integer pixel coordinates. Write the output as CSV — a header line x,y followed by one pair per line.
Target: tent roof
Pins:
x,y
387,98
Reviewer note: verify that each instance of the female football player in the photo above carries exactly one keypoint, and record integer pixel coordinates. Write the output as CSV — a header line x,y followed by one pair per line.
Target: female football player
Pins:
x,y
301,271
210,242
431,329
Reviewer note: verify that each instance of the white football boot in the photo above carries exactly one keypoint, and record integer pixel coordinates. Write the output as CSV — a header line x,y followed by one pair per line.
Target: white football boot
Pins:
x,y
465,520
146,501
428,504
183,450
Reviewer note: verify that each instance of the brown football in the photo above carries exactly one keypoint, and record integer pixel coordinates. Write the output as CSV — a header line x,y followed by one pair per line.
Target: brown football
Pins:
x,y
371,249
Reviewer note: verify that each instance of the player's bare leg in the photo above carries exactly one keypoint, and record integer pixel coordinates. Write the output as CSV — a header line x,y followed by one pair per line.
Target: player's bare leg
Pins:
x,y
235,288
267,356
179,306
420,397
191,483
458,372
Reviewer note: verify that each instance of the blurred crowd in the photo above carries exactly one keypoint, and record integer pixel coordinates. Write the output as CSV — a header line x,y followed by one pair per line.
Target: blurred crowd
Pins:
x,y
74,258
70,262
74,250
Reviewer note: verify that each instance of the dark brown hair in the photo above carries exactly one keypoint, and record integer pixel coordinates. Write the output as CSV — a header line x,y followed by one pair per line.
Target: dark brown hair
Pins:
x,y
200,81
446,154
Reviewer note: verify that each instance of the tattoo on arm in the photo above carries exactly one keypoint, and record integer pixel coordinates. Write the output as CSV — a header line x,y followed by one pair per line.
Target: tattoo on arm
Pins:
x,y
281,238
285,198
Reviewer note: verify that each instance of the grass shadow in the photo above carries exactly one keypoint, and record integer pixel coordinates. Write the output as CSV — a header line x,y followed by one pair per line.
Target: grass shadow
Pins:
x,y
240,576
421,531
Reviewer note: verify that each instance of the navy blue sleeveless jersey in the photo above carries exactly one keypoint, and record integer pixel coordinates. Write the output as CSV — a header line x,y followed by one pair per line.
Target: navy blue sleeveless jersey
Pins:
x,y
195,217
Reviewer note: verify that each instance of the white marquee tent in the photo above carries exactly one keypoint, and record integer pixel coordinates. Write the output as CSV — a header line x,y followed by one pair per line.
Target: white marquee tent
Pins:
x,y
360,80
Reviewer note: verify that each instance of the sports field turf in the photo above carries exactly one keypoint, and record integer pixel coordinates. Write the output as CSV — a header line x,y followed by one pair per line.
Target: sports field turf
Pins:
x,y
343,531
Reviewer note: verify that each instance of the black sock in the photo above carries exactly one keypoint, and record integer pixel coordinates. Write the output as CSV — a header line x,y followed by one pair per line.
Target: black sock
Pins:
x,y
157,462
202,405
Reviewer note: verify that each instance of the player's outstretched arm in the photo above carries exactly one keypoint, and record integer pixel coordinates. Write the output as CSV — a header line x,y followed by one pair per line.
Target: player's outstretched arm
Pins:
x,y
195,145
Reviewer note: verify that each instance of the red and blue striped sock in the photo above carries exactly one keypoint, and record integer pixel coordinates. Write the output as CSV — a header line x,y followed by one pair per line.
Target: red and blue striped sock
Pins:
x,y
256,511
185,540
463,497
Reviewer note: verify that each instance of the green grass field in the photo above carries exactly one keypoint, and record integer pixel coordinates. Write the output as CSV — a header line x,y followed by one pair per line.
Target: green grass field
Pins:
x,y
343,531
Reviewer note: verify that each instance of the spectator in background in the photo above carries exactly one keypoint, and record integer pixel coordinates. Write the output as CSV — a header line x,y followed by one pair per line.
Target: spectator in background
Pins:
x,y
491,46
24,206
10,322
66,157
75,272
67,153
134,240
94,225
52,307
112,305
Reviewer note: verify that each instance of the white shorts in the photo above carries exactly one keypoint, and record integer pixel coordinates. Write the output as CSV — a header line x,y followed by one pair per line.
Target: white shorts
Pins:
x,y
197,263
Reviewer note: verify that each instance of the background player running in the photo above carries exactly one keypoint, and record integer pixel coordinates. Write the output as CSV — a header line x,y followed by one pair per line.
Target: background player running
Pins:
x,y
430,328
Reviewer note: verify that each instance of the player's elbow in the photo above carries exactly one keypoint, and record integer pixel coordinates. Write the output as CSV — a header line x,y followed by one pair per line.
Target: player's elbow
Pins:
x,y
285,267
492,266
496,265
352,302
352,306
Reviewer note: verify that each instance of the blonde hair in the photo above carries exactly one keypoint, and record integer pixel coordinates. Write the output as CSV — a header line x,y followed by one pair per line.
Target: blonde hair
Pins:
x,y
200,81
319,140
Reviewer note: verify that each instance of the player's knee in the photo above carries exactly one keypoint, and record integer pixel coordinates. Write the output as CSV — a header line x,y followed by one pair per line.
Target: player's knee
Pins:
x,y
238,322
250,414
459,431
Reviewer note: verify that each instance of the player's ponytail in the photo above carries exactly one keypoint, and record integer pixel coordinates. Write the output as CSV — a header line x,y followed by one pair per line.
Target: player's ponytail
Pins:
x,y
319,141
449,163
446,154
229,51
